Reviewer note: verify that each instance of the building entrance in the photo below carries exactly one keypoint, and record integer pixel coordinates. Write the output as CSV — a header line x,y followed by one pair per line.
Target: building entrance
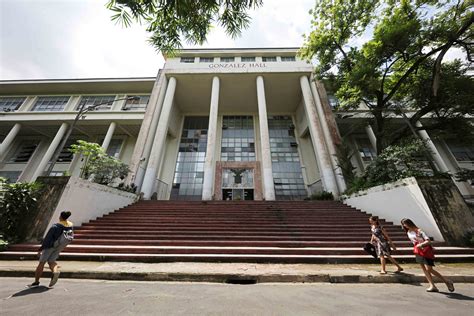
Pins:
x,y
237,184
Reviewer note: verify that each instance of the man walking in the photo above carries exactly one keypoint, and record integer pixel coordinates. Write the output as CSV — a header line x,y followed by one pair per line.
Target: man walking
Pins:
x,y
57,238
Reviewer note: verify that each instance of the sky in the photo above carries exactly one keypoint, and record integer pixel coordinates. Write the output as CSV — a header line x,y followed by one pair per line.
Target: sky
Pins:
x,y
54,39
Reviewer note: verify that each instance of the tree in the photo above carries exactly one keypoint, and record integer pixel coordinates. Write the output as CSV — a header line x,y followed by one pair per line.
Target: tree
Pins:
x,y
408,41
170,21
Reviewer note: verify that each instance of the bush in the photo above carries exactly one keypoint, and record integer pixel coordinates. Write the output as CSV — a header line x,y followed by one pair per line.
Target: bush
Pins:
x,y
99,167
18,207
322,196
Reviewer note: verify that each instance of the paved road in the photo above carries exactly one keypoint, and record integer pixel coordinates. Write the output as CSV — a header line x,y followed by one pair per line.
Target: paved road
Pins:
x,y
86,297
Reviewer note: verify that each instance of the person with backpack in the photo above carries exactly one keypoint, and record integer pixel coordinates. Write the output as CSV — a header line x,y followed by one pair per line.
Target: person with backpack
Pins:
x,y
58,237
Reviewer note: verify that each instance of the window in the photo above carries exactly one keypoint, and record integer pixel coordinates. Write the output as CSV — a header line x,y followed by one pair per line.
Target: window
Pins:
x,y
286,167
92,100
333,102
137,105
189,171
10,104
238,142
247,59
188,60
269,59
46,104
288,58
11,176
66,155
461,152
206,59
115,147
24,152
227,59
366,150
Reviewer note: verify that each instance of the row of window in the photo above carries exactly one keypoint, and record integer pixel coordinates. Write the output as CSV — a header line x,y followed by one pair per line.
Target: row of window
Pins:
x,y
57,103
265,59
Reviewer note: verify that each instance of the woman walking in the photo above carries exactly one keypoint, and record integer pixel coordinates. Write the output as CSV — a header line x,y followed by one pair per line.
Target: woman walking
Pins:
x,y
382,243
424,254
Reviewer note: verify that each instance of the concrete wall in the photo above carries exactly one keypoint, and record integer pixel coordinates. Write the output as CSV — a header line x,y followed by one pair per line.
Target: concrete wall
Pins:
x,y
397,200
87,200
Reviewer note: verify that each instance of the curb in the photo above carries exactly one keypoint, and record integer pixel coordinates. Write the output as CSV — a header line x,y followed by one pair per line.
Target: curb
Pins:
x,y
239,278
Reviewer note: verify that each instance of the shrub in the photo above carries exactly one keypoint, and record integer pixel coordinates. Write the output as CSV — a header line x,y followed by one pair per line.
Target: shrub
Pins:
x,y
18,206
324,195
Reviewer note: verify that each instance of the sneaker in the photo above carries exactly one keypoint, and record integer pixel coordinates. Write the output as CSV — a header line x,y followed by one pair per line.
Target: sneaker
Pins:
x,y
34,284
54,278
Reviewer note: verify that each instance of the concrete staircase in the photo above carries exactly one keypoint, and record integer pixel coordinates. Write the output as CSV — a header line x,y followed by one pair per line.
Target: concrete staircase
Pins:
x,y
237,231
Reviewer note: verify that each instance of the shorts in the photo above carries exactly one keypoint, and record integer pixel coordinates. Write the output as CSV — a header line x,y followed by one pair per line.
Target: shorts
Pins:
x,y
423,260
49,254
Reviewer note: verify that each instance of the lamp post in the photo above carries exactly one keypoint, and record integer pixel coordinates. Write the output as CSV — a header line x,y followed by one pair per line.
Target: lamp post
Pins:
x,y
82,110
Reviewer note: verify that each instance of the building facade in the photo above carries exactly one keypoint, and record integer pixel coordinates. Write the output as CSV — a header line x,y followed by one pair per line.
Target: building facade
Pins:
x,y
214,124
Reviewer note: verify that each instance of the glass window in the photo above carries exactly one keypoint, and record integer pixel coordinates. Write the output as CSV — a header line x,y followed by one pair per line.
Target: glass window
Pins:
x,y
238,142
461,152
206,59
288,58
247,59
227,59
24,151
44,104
11,176
137,105
106,102
189,171
286,167
188,60
66,155
10,104
269,59
365,149
115,147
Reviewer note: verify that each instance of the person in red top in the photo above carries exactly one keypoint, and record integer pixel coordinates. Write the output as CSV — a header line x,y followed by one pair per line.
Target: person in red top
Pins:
x,y
424,254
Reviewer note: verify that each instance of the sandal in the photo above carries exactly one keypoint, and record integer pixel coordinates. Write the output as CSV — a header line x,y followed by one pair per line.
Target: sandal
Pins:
x,y
450,286
399,270
432,289
383,272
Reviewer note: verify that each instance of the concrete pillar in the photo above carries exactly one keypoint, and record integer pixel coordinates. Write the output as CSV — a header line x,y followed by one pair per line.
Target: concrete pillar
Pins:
x,y
341,183
108,136
322,156
9,139
145,157
211,142
49,153
433,150
159,141
372,138
267,174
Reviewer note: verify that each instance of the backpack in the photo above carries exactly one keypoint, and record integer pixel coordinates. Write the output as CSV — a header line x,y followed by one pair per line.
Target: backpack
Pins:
x,y
66,237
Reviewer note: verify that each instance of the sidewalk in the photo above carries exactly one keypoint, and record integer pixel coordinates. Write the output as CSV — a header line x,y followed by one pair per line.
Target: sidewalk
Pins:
x,y
245,273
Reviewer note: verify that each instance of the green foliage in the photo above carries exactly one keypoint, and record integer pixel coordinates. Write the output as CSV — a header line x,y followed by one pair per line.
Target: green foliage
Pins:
x,y
98,166
171,21
3,244
465,175
407,41
18,207
394,163
323,196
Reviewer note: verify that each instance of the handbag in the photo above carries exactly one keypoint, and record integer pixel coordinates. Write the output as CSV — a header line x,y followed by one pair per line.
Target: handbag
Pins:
x,y
426,252
370,249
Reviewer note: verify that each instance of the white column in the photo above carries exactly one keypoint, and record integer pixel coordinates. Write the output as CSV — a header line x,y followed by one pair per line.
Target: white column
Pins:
x,y
267,175
49,153
9,139
145,157
372,138
433,150
341,183
322,156
159,141
211,142
108,136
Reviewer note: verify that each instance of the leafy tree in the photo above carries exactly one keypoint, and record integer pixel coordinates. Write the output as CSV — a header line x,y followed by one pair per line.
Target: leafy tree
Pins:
x,y
170,21
407,43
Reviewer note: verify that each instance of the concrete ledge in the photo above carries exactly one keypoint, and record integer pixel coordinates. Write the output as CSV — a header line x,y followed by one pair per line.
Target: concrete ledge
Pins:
x,y
237,273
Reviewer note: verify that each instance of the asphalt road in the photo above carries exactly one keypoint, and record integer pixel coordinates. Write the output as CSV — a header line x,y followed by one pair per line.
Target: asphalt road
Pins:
x,y
92,297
